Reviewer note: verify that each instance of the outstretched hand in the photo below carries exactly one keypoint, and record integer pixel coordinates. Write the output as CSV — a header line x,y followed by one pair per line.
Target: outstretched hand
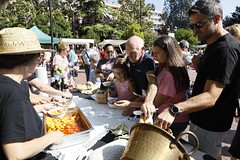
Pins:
x,y
148,108
164,119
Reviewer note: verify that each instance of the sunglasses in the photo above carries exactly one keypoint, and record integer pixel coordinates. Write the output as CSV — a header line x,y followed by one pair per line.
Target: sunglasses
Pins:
x,y
109,52
199,24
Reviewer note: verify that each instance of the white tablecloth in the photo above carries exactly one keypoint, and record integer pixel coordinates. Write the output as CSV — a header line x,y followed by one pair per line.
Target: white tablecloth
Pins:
x,y
101,117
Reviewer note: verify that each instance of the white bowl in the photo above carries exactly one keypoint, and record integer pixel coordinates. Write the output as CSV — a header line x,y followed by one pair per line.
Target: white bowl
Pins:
x,y
57,112
138,112
107,83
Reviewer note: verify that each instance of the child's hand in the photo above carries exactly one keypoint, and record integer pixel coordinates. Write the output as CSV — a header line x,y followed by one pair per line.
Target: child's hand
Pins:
x,y
122,103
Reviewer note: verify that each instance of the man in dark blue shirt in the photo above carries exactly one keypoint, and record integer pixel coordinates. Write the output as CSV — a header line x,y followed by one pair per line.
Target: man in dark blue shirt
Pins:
x,y
142,69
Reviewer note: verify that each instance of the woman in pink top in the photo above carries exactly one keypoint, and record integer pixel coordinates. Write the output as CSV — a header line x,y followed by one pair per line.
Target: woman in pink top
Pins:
x,y
172,78
122,83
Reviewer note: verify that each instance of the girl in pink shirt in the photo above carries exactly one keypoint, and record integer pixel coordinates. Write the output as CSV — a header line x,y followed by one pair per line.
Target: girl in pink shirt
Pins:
x,y
172,78
122,83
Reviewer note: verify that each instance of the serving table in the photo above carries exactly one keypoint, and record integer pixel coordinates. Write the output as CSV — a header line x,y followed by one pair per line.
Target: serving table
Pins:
x,y
101,118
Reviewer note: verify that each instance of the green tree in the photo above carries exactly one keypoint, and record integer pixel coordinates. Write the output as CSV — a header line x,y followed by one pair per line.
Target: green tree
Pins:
x,y
99,22
91,34
92,12
176,13
149,38
103,31
131,30
18,14
126,19
136,10
188,35
27,13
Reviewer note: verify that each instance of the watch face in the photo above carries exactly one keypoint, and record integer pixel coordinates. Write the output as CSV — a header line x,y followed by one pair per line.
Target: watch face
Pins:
x,y
175,109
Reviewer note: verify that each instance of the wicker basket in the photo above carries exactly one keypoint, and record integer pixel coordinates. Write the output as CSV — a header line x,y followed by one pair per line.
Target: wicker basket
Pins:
x,y
101,97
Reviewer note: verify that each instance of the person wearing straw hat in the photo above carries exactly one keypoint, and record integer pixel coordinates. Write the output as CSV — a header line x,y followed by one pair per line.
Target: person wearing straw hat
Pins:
x,y
21,133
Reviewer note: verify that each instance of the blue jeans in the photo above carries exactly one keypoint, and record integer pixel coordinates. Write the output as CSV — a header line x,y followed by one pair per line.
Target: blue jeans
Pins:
x,y
87,71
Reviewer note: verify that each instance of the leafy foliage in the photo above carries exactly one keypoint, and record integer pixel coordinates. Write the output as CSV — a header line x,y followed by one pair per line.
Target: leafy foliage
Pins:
x,y
98,21
102,30
18,14
176,13
131,30
131,15
186,34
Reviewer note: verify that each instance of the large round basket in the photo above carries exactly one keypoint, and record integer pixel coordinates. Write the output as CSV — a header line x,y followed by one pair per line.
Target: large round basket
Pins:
x,y
151,142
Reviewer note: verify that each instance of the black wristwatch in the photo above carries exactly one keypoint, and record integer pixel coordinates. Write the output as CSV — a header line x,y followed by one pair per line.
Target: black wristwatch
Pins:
x,y
173,110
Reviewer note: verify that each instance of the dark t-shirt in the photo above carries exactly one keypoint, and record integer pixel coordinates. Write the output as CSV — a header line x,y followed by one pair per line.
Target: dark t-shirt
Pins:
x,y
138,72
19,122
105,66
221,64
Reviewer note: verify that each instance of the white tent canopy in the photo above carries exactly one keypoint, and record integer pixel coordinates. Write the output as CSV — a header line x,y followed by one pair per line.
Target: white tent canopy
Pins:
x,y
77,41
113,42
116,43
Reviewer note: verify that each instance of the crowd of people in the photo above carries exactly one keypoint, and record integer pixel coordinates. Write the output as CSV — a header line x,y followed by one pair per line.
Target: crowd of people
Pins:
x,y
157,84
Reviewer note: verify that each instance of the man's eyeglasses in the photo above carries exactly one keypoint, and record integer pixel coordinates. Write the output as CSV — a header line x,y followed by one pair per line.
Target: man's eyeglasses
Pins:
x,y
199,24
109,52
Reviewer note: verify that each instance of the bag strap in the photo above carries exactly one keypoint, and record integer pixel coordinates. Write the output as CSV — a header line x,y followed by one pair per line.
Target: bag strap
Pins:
x,y
83,58
87,54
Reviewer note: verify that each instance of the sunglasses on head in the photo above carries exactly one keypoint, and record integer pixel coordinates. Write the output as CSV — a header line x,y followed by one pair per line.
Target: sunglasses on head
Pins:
x,y
199,24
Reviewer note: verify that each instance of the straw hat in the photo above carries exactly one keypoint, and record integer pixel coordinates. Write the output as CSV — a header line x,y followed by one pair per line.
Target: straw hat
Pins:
x,y
19,41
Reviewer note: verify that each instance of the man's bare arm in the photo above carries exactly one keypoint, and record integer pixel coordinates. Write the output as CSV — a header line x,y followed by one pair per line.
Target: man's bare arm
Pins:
x,y
147,107
207,99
